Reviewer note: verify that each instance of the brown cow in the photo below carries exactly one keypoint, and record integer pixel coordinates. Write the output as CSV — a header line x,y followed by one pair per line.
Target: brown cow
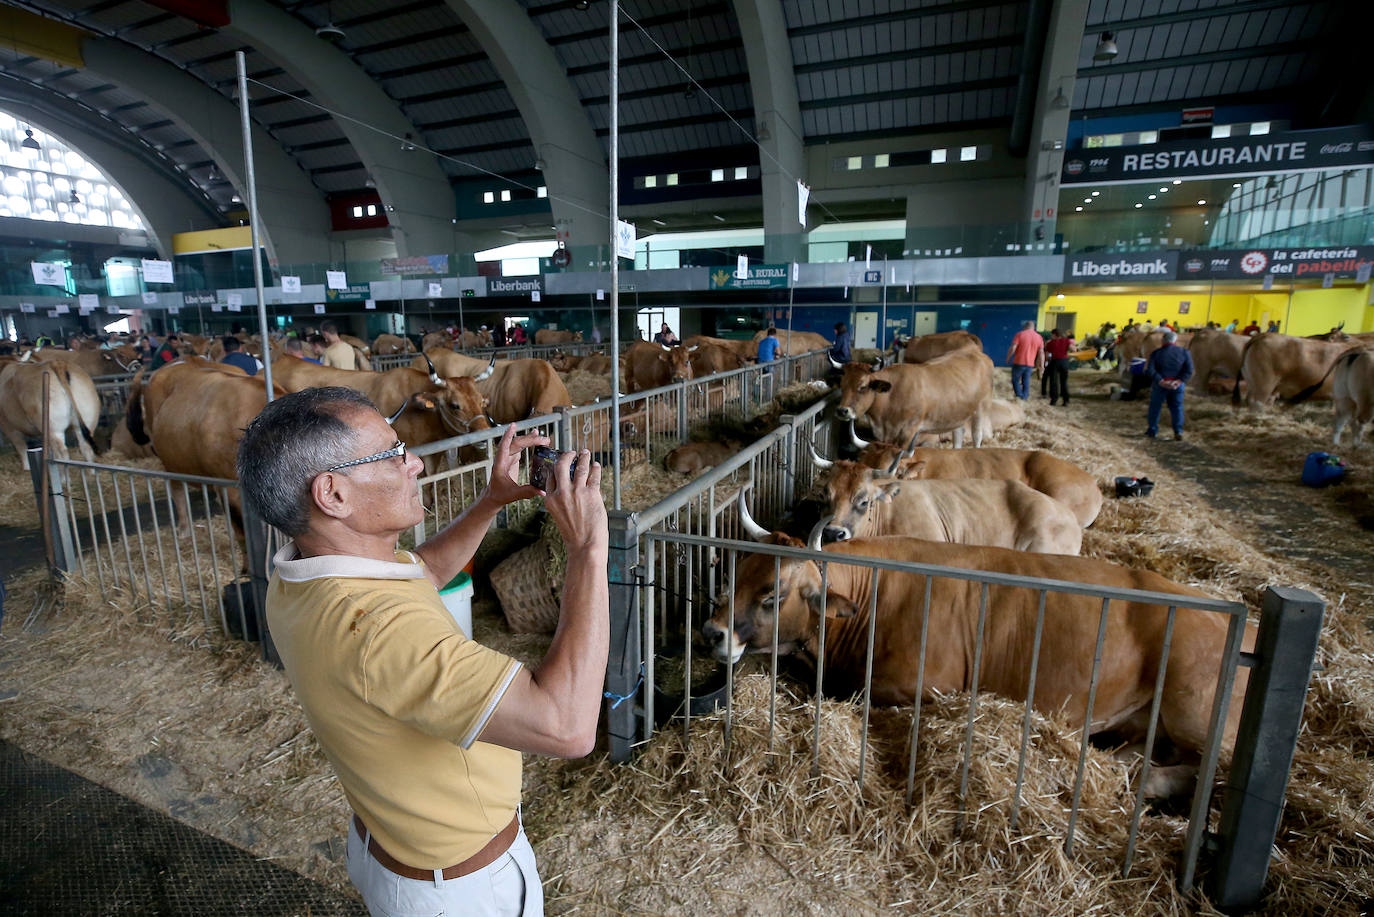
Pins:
x,y
695,458
1351,382
424,407
794,343
1279,365
864,503
91,362
1139,344
1216,351
1131,656
1053,476
590,363
554,336
73,405
998,414
926,347
745,351
654,365
715,355
908,399
388,344
514,389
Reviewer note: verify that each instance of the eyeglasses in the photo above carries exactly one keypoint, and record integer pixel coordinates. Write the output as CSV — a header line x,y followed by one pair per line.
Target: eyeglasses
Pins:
x,y
396,451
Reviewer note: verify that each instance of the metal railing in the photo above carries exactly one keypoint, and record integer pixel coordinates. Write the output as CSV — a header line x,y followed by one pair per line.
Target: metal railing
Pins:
x,y
514,352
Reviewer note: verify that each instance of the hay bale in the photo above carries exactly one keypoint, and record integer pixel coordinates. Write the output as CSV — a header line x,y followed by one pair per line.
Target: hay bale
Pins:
x,y
585,387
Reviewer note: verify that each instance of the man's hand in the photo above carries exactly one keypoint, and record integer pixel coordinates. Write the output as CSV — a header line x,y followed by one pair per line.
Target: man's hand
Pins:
x,y
576,504
502,487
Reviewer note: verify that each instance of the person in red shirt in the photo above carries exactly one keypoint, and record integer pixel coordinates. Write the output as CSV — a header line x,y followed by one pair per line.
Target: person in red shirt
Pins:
x,y
1027,350
1059,348
1252,328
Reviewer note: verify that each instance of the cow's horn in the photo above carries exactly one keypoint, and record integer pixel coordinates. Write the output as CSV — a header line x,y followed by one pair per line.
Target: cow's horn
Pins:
x,y
854,438
397,416
814,541
896,462
816,456
486,373
666,347
756,531
834,363
433,373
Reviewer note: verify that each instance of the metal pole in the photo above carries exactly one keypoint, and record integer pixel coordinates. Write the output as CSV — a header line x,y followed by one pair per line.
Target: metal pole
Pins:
x,y
791,300
252,181
882,320
615,258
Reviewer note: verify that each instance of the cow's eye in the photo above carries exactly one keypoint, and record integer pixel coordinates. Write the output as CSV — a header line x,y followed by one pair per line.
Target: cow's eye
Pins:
x,y
862,504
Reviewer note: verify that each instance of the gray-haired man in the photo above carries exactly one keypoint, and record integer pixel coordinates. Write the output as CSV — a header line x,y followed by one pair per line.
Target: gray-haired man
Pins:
x,y
423,726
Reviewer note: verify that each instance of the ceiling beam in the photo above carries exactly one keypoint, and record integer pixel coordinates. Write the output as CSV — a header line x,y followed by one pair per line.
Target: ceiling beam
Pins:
x,y
1300,46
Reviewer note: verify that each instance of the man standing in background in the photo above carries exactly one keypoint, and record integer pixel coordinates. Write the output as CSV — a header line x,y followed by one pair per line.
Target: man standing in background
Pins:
x,y
337,353
1027,351
1169,369
1059,348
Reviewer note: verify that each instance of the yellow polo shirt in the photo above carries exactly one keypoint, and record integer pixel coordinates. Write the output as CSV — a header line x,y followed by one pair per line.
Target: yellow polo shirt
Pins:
x,y
396,695
340,356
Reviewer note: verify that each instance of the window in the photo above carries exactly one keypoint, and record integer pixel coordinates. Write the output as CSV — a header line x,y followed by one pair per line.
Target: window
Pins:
x,y
1259,127
505,195
856,162
1149,137
741,172
1221,130
542,191
357,212
651,181
938,156
372,210
881,160
672,179
38,184
968,153
717,175
488,197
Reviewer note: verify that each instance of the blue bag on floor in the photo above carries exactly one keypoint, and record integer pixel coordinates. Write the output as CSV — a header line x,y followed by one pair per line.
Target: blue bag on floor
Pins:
x,y
1321,469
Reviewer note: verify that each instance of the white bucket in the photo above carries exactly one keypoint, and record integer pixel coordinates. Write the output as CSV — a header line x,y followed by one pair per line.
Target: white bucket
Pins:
x,y
457,598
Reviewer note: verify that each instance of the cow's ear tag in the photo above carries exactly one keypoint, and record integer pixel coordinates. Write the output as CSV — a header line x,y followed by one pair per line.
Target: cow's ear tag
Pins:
x,y
424,401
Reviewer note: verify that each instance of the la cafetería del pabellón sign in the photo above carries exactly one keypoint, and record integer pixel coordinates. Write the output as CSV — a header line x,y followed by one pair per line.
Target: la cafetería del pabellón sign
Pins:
x,y
1329,148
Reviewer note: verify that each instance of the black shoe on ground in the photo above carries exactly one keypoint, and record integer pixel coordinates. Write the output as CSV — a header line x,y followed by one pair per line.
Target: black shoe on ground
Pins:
x,y
1178,437
1149,434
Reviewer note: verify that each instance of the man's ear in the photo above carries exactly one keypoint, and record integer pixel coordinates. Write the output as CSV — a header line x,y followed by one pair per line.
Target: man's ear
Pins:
x,y
329,492
880,385
836,605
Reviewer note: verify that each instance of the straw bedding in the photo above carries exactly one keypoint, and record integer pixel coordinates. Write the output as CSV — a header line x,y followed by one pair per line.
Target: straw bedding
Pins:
x,y
679,833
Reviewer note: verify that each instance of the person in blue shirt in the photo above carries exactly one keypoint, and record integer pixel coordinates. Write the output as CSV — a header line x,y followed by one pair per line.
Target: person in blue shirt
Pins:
x,y
295,348
839,351
234,356
1168,369
768,347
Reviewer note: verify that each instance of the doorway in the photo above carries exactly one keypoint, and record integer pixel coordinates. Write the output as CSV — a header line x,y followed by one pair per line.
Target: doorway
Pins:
x,y
923,323
866,329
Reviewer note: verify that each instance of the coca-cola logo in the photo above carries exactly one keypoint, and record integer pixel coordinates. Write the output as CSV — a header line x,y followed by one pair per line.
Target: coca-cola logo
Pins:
x,y
1192,265
1337,148
1254,262
1074,167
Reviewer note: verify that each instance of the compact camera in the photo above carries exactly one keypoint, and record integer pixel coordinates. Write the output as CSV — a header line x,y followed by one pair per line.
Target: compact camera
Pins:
x,y
542,463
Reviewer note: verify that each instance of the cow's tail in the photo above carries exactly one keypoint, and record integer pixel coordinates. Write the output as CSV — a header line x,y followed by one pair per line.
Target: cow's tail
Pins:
x,y
63,373
1346,357
133,412
1240,372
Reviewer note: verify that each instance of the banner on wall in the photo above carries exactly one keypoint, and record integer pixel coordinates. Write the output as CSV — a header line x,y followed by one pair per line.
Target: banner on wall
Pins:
x,y
758,277
353,292
1287,151
421,264
1345,262
204,298
1101,267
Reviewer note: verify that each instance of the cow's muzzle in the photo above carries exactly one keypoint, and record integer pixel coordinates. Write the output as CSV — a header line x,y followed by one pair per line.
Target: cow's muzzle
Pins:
x,y
725,646
844,413
835,533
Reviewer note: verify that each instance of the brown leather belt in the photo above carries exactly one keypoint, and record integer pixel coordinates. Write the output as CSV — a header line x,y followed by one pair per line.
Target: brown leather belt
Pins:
x,y
479,860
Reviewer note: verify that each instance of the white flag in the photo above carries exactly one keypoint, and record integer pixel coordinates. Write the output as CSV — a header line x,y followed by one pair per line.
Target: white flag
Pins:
x,y
336,280
216,307
49,274
157,271
370,304
1268,282
796,272
319,307
1362,273
174,310
235,306
149,298
89,300
26,307
624,239
535,296
290,284
63,309
868,257
742,267
83,310
1328,281
52,313
600,294
803,194
436,289
234,300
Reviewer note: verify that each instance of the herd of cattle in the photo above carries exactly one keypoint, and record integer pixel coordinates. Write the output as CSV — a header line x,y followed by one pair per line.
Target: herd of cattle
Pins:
x,y
1018,512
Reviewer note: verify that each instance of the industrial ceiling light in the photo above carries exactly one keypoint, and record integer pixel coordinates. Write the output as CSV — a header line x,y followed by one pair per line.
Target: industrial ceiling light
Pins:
x,y
408,144
28,142
370,182
1060,102
581,5
539,164
73,199
689,91
1106,47
330,33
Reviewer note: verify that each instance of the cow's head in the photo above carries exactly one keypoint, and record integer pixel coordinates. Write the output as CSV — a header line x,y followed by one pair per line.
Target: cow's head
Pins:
x,y
460,406
860,385
853,492
679,360
560,361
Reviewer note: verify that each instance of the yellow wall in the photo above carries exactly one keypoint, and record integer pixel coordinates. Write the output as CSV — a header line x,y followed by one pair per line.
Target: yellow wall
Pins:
x,y
232,238
1312,311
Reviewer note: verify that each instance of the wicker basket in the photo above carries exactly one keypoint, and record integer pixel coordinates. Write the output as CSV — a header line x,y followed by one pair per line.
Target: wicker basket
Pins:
x,y
522,585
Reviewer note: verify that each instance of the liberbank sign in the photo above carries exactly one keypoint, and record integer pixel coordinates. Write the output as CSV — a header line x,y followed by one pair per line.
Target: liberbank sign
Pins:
x,y
1294,151
1119,266
1339,262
